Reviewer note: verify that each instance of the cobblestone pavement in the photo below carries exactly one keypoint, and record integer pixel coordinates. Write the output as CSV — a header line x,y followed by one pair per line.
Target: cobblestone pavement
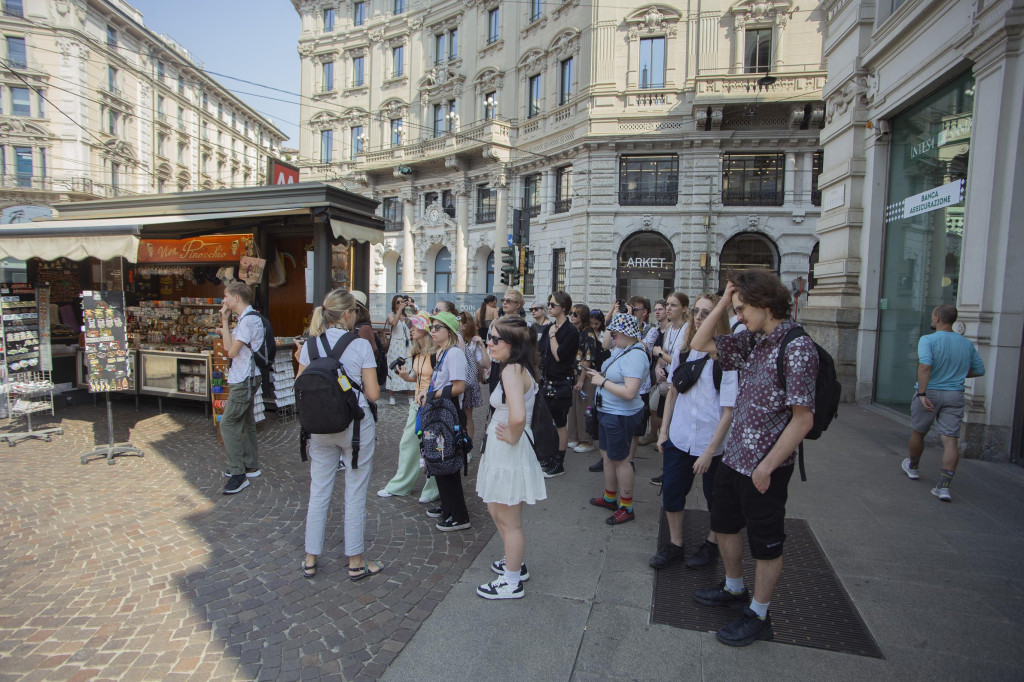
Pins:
x,y
144,570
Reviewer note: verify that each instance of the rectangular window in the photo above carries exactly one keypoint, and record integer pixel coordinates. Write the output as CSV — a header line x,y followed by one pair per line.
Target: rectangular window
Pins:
x,y
42,162
448,203
493,25
490,105
817,159
428,199
115,177
160,72
533,97
565,86
23,166
220,111
536,9
17,57
652,63
13,8
453,43
328,76
181,119
357,140
357,72
161,145
753,180
649,180
452,115
206,164
41,102
359,14
757,51
438,120
396,132
181,85
531,195
181,152
111,79
160,115
398,61
328,20
21,103
111,37
486,204
204,132
558,270
326,145
563,189
439,48
399,6
392,214
206,101
112,122
234,120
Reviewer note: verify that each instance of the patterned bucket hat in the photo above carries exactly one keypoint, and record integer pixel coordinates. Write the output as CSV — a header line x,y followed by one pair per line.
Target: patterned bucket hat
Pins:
x,y
418,321
627,325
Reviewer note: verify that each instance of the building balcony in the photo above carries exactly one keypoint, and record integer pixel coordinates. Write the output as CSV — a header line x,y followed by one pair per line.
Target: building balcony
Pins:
x,y
83,187
392,225
532,210
795,84
563,205
465,141
484,217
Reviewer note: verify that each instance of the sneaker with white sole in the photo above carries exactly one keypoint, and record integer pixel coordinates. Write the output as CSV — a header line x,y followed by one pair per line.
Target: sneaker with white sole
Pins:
x,y
499,589
428,500
236,484
249,473
499,568
910,471
434,512
451,524
383,492
942,494
584,447
571,444
341,465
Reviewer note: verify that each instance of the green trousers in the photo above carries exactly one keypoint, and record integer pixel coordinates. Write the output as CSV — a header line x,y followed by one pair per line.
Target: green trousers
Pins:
x,y
238,427
409,463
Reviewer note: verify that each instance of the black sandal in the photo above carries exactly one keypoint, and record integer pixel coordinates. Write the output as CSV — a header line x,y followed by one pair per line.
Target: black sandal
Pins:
x,y
364,571
307,570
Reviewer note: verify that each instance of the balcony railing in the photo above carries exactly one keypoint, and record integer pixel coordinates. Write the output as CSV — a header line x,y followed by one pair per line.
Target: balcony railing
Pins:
x,y
483,217
392,225
633,198
25,181
563,205
752,197
533,210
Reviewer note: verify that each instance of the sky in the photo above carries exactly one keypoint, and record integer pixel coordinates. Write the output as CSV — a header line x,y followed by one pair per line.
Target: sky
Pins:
x,y
254,40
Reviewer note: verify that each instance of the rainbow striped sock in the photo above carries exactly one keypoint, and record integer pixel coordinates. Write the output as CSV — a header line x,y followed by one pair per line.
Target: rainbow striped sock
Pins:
x,y
626,502
609,496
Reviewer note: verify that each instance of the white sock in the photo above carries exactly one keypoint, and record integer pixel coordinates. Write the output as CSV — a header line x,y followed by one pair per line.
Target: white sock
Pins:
x,y
734,585
760,609
512,578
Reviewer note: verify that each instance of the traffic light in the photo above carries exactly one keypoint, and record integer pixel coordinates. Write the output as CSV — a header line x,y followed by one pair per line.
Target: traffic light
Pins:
x,y
509,267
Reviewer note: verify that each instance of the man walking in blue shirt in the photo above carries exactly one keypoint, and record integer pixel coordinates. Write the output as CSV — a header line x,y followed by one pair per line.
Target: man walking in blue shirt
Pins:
x,y
945,360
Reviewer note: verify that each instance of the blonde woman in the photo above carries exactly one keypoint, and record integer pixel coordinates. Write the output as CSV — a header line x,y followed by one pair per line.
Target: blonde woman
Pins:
x,y
693,432
417,373
331,322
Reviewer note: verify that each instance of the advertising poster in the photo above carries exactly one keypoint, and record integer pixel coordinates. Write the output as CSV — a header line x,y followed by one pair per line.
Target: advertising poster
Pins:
x,y
106,342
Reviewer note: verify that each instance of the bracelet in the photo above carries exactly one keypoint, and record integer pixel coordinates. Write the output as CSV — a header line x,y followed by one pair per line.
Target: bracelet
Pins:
x,y
604,382
922,395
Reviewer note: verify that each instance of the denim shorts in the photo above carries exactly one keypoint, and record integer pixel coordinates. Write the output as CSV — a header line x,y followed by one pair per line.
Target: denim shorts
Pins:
x,y
615,433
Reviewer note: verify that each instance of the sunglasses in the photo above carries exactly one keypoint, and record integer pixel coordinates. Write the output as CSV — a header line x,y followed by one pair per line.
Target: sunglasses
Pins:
x,y
554,305
491,338
533,310
437,327
509,300
700,313
635,310
574,315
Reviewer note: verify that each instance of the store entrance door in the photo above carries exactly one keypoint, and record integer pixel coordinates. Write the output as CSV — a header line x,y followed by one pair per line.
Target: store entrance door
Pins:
x,y
646,267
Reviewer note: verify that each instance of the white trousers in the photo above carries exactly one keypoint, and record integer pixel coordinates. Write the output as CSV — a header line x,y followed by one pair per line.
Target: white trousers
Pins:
x,y
324,452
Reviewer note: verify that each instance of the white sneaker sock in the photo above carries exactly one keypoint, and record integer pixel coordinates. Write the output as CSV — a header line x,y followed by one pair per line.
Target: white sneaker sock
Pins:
x,y
512,578
760,609
734,585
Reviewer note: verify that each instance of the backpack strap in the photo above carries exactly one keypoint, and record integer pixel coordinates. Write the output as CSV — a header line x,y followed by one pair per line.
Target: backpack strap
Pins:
x,y
336,352
794,333
734,325
716,374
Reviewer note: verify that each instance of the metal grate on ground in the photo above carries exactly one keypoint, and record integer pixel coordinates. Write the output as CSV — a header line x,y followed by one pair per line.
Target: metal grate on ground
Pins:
x,y
810,607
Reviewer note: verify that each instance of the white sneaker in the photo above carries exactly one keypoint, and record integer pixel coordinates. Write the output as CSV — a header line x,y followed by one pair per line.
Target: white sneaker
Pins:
x,y
911,473
499,589
499,568
428,500
942,494
383,492
584,447
391,400
571,444
341,465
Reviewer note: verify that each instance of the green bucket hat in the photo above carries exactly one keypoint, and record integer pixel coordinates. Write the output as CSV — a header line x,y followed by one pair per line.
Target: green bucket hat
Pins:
x,y
448,320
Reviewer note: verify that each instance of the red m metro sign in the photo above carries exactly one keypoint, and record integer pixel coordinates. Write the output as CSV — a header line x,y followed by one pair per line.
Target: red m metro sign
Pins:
x,y
281,173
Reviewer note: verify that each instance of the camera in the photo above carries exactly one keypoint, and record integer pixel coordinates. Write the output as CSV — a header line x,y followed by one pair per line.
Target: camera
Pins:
x,y
598,402
622,306
399,362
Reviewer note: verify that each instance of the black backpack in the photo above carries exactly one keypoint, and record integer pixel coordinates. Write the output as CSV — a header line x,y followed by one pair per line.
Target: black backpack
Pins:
x,y
828,391
545,433
265,355
688,373
444,440
323,404
378,354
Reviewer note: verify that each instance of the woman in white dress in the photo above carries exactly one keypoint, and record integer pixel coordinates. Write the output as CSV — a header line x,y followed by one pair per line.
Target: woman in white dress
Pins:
x,y
399,345
509,474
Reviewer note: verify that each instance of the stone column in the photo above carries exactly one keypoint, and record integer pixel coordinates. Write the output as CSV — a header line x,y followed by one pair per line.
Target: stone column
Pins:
x,y
738,37
408,245
547,192
461,191
790,179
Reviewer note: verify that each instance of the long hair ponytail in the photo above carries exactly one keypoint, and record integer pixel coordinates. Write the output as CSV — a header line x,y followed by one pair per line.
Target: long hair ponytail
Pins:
x,y
330,314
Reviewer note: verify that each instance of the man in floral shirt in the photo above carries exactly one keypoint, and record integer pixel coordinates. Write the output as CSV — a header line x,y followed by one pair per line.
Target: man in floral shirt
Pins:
x,y
768,424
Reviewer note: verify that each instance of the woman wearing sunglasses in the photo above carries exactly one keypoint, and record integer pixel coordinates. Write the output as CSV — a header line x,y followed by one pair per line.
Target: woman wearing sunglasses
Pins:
x,y
450,369
698,414
583,390
509,474
620,411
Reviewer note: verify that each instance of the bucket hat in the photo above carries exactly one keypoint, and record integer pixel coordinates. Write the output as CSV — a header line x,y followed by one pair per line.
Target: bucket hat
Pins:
x,y
418,321
627,325
448,320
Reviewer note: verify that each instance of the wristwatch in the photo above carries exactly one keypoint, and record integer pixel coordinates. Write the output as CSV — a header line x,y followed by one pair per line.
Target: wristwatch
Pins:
x,y
922,395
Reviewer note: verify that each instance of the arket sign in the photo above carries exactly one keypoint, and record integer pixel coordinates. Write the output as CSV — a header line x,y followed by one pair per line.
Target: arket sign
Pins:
x,y
645,263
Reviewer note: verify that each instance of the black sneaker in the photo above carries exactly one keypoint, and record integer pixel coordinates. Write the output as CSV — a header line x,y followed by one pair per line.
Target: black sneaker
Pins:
x,y
434,512
667,555
719,596
249,473
499,568
657,479
706,555
450,524
556,469
236,484
746,629
597,466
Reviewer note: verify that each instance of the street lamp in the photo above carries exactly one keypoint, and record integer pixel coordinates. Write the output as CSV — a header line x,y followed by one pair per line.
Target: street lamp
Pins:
x,y
490,106
453,121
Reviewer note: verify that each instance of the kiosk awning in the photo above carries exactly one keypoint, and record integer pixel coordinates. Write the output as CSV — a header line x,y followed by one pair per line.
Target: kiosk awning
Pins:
x,y
342,229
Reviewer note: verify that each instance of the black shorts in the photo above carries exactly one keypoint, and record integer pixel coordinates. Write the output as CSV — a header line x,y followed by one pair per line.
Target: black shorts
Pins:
x,y
559,409
677,472
738,504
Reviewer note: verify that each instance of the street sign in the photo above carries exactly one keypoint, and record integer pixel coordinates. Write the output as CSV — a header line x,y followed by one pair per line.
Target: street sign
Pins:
x,y
510,239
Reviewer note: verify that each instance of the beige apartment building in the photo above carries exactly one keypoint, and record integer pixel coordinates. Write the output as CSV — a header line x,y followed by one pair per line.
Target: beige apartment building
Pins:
x,y
94,104
653,146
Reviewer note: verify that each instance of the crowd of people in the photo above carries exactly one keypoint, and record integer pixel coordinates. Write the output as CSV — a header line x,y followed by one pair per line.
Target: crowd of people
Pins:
x,y
724,387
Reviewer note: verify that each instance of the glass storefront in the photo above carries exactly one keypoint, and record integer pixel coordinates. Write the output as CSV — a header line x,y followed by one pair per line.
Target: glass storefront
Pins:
x,y
924,227
646,267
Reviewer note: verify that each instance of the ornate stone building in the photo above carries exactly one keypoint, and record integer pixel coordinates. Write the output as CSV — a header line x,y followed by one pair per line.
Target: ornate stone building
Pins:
x,y
94,104
653,147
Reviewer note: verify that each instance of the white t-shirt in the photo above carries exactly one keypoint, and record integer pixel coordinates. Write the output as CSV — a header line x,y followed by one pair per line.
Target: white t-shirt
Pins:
x,y
357,357
249,331
697,412
451,366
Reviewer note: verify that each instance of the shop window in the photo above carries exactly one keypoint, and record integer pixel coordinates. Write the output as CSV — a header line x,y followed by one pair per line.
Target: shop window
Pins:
x,y
558,270
746,251
646,266
486,204
443,272
533,96
563,189
753,180
649,181
817,159
757,50
652,63
531,195
489,273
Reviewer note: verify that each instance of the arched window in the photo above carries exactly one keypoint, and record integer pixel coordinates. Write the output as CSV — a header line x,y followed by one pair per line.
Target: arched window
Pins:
x,y
646,267
443,272
398,276
745,251
489,273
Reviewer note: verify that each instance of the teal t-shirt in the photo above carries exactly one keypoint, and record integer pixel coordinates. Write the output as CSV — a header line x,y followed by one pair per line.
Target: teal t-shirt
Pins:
x,y
950,356
627,362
